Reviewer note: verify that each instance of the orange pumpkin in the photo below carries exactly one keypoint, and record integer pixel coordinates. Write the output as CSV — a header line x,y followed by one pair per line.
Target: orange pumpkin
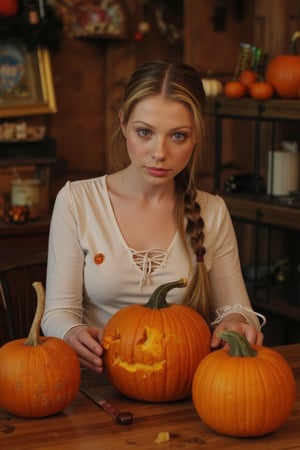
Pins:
x,y
248,77
261,90
283,72
244,392
152,350
39,376
235,89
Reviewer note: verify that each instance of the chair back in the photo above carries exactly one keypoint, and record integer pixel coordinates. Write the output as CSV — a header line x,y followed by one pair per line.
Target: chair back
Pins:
x,y
19,268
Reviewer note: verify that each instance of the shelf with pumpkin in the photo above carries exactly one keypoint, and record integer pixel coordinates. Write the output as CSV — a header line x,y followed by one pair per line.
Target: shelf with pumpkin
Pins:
x,y
279,80
280,109
264,215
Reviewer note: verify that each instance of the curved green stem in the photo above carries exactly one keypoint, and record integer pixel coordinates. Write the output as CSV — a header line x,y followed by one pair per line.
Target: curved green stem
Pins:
x,y
158,298
238,344
34,332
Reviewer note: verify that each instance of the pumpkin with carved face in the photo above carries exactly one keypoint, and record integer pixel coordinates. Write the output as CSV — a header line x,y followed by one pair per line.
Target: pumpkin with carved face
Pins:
x,y
151,351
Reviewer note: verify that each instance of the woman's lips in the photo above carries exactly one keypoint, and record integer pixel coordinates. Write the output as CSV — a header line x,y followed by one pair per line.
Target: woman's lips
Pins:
x,y
157,171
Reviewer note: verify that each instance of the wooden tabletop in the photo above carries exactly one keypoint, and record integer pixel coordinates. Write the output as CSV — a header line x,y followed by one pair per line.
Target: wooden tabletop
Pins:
x,y
84,426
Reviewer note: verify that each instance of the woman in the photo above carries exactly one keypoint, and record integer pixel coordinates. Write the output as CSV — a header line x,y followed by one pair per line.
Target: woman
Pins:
x,y
115,238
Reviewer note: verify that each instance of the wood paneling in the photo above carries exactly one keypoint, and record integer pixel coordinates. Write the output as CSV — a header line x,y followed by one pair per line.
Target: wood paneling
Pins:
x,y
211,50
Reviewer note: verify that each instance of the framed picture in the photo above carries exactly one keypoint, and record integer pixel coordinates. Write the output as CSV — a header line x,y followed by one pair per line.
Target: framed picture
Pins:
x,y
100,19
26,84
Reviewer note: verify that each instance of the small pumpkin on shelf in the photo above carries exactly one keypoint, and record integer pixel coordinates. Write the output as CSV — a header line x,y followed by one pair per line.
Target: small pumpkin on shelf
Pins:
x,y
152,350
212,87
283,72
261,90
39,376
246,391
235,89
248,77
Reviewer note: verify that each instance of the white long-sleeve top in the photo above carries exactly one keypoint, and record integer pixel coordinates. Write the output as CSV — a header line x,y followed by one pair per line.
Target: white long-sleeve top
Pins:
x,y
92,272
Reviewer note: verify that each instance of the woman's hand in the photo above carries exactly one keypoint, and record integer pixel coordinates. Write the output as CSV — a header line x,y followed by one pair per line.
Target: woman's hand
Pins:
x,y
236,322
85,341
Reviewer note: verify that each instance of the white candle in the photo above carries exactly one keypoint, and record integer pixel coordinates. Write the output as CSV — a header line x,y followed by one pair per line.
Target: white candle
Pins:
x,y
283,172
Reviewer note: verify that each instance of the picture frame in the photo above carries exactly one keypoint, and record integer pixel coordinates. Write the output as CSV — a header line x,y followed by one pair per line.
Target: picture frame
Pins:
x,y
104,19
26,83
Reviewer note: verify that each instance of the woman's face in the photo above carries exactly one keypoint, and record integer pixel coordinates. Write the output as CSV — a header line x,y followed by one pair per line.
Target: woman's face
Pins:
x,y
160,138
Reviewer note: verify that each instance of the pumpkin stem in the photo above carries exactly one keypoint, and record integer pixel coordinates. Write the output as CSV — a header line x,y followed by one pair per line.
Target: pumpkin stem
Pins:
x,y
34,332
158,298
294,40
238,344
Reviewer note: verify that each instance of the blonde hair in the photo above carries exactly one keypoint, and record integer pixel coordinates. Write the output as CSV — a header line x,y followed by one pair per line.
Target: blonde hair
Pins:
x,y
182,83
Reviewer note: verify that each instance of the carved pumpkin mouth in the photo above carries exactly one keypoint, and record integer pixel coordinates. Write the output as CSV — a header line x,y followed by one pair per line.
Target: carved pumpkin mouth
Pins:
x,y
135,367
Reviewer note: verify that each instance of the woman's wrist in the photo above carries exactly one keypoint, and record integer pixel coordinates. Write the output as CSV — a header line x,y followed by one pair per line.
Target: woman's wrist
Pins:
x,y
234,317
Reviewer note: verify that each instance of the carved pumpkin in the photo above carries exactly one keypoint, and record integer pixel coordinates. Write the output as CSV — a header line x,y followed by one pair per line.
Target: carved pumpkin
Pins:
x,y
212,87
244,392
152,350
283,72
39,376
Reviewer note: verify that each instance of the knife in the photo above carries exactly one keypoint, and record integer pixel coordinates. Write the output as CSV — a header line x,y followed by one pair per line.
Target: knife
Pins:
x,y
122,418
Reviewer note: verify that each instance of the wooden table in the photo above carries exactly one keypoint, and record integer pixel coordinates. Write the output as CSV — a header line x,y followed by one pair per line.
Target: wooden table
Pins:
x,y
84,426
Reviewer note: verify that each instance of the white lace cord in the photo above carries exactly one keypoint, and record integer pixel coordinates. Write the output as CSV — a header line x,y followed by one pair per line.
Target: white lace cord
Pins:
x,y
147,261
224,311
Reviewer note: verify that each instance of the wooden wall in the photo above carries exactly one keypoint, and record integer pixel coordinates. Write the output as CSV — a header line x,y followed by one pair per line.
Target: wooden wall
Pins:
x,y
90,75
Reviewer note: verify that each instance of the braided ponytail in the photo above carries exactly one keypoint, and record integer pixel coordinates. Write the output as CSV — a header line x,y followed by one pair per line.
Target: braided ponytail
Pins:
x,y
198,294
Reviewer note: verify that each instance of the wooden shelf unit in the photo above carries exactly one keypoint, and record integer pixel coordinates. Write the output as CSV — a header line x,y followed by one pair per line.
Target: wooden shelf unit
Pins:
x,y
264,211
248,108
265,214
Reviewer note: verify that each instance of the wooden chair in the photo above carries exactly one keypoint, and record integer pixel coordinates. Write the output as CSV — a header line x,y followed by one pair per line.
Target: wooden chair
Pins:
x,y
19,268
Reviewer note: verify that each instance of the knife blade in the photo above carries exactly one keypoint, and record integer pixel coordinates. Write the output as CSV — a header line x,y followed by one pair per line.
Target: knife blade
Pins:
x,y
122,418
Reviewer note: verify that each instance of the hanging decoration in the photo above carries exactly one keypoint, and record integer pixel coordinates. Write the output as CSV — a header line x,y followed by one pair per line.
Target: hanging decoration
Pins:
x,y
159,15
104,19
169,30
143,29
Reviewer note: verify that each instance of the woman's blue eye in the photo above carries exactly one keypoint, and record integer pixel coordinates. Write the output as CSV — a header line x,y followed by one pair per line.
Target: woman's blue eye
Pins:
x,y
179,136
143,132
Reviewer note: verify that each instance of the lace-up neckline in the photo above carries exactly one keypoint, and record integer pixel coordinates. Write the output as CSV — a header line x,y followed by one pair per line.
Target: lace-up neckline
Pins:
x,y
148,261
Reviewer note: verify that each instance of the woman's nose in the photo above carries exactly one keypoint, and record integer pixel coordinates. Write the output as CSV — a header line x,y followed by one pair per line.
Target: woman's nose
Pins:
x,y
159,152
